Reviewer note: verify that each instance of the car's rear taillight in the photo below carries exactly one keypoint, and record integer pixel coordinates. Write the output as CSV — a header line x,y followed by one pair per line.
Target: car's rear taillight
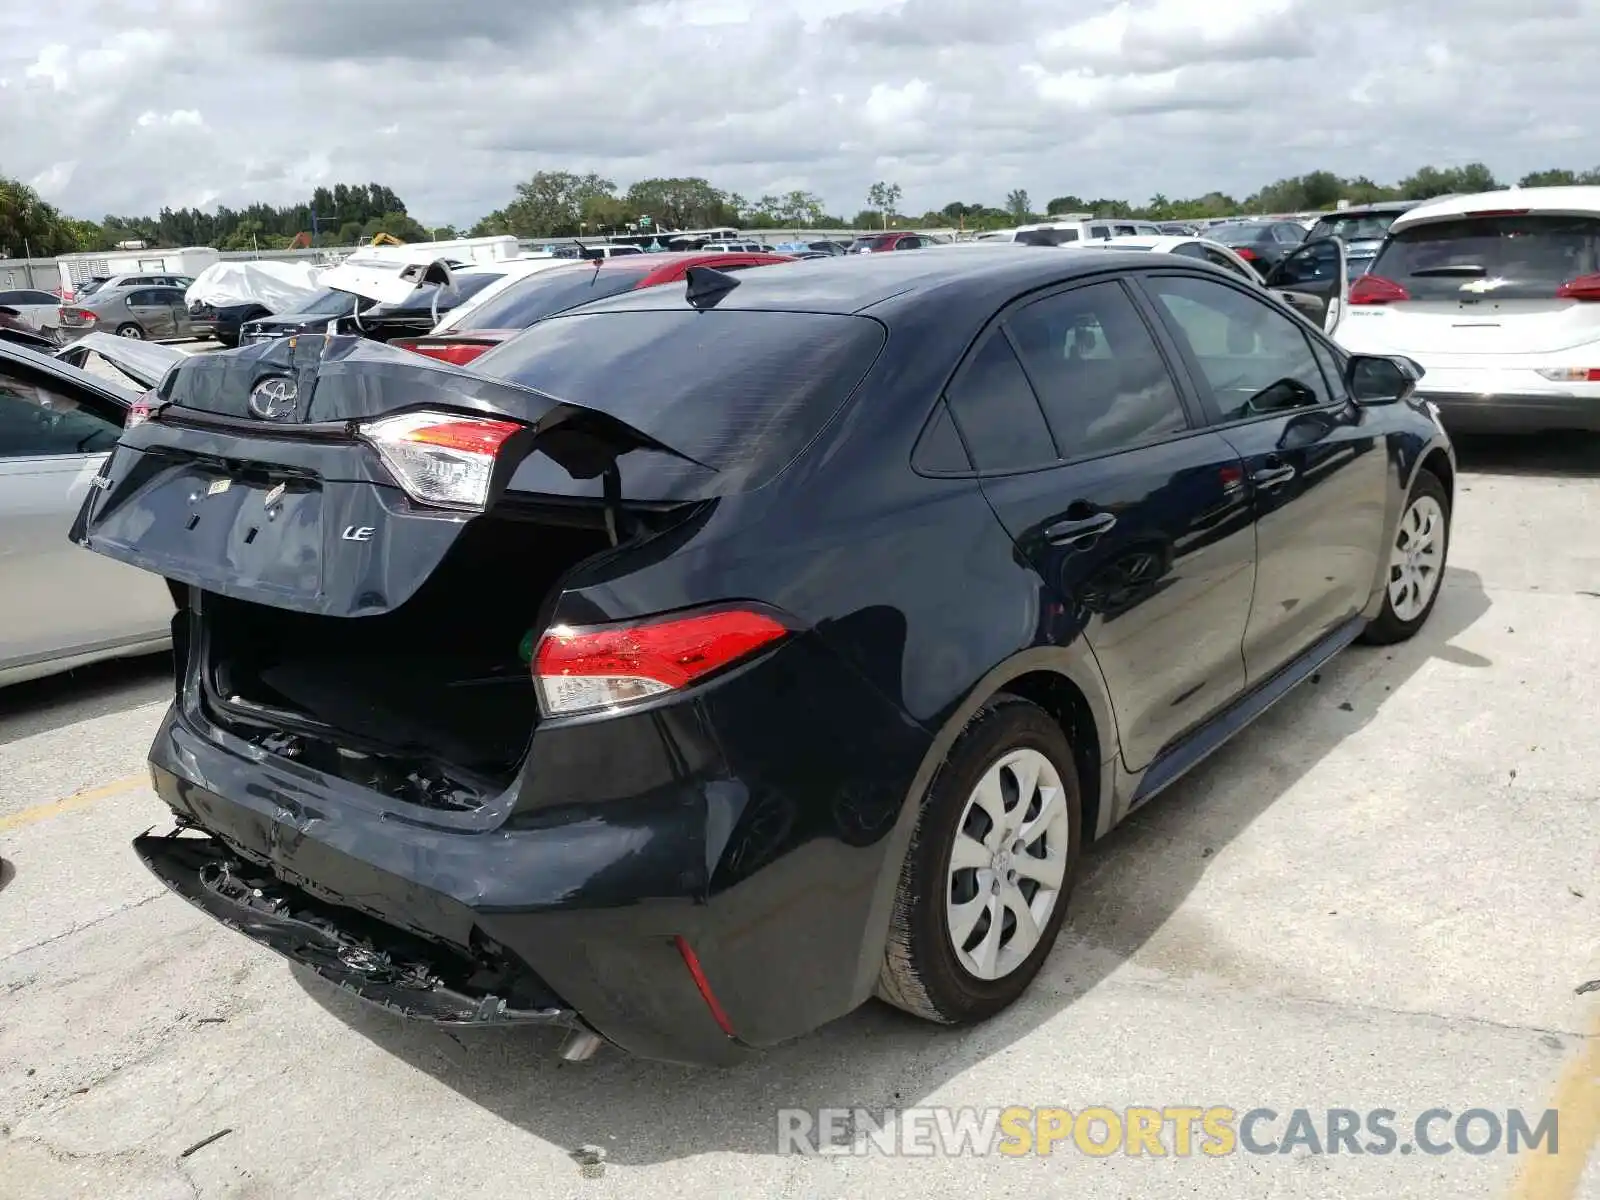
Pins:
x,y
77,316
1246,253
1571,374
1375,289
588,670
139,411
456,353
1584,287
441,458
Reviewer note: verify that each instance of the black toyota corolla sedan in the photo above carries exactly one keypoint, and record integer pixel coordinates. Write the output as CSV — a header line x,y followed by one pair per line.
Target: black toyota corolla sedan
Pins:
x,y
712,658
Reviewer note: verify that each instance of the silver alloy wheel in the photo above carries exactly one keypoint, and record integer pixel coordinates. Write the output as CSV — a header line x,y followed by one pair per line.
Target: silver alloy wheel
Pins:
x,y
131,331
1007,864
1418,555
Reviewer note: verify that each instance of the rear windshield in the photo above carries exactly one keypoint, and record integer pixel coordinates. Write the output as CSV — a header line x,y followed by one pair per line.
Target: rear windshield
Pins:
x,y
329,302
740,392
1507,258
547,293
1238,235
1364,227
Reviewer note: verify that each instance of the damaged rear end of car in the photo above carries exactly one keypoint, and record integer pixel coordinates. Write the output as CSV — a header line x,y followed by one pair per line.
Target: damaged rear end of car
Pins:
x,y
449,724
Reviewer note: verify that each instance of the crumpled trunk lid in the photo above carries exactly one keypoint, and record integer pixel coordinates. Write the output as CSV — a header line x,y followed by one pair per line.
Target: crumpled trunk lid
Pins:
x,y
251,478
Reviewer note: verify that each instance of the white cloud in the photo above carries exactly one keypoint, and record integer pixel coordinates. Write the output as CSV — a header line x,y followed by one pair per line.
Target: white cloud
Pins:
x,y
50,181
451,105
179,118
889,105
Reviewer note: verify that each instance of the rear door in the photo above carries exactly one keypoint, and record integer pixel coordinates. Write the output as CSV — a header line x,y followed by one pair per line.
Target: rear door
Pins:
x,y
1316,471
57,598
1134,516
1314,279
152,312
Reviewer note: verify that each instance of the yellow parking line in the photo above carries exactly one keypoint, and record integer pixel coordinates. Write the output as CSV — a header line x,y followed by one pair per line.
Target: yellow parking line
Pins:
x,y
43,812
1577,1099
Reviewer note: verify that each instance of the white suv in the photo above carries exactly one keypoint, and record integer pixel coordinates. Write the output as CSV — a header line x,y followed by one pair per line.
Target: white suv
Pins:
x,y
1089,229
1497,296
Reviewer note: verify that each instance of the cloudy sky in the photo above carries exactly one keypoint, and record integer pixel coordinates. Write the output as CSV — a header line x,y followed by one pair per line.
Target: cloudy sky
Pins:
x,y
130,105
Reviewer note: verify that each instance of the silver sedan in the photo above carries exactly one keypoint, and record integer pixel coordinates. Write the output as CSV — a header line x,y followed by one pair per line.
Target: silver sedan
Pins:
x,y
63,606
138,313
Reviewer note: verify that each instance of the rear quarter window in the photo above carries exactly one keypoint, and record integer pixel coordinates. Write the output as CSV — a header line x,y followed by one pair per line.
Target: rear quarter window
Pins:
x,y
739,392
1505,257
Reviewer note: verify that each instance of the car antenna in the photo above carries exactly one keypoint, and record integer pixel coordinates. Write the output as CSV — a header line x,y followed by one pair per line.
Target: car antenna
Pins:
x,y
707,286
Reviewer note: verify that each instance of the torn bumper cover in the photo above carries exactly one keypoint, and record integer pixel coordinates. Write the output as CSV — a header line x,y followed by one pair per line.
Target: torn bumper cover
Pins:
x,y
378,964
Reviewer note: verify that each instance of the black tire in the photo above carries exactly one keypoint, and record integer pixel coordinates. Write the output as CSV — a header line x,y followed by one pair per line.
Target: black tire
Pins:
x,y
921,973
1388,627
131,330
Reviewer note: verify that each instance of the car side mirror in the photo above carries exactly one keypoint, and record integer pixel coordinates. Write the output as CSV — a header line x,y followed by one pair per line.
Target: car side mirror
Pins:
x,y
1381,378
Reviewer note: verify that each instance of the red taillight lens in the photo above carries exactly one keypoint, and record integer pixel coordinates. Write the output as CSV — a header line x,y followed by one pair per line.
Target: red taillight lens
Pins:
x,y
592,669
456,353
1246,253
77,316
1584,287
441,458
1375,289
139,411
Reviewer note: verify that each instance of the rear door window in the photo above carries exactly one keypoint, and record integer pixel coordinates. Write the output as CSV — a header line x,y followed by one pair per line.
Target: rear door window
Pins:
x,y
997,412
548,293
1097,370
1514,257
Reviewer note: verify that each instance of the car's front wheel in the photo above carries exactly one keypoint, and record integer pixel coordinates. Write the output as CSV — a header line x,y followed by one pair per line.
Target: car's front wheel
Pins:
x,y
1416,563
984,888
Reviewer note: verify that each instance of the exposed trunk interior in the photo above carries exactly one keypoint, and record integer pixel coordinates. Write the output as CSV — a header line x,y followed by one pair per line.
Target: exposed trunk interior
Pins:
x,y
432,702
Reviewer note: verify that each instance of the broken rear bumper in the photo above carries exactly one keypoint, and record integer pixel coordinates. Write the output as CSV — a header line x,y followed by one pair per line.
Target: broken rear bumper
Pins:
x,y
205,872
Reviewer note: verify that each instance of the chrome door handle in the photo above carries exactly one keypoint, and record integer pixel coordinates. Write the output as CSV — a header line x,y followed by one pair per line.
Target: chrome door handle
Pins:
x,y
1078,533
1272,477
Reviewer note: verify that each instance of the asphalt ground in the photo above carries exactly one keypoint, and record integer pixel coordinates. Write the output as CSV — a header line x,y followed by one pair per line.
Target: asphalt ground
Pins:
x,y
1385,895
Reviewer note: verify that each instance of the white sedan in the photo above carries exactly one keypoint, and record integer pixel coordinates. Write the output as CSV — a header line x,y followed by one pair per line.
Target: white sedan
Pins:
x,y
38,308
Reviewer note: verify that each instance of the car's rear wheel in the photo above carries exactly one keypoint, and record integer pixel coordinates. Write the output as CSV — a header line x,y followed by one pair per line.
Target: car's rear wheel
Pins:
x,y
1416,563
984,888
130,330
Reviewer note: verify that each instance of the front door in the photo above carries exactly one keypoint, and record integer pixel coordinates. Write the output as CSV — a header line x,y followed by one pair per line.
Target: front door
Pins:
x,y
1136,519
58,598
1317,473
1315,280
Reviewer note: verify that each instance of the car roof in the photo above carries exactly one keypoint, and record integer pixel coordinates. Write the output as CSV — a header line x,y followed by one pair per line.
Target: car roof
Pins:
x,y
838,284
1576,200
1377,206
26,356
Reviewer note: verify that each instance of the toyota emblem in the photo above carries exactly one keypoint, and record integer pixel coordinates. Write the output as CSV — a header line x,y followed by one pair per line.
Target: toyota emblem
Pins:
x,y
274,398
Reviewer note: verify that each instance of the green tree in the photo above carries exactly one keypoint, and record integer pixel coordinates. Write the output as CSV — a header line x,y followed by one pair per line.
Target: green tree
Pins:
x,y
680,203
1065,204
28,225
1018,205
882,198
551,203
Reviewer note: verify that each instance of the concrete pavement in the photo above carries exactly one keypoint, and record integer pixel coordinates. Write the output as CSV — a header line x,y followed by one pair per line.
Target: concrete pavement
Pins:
x,y
1384,895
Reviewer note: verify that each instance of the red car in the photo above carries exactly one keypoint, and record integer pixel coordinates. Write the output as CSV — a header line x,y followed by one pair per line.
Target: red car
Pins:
x,y
878,243
560,288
